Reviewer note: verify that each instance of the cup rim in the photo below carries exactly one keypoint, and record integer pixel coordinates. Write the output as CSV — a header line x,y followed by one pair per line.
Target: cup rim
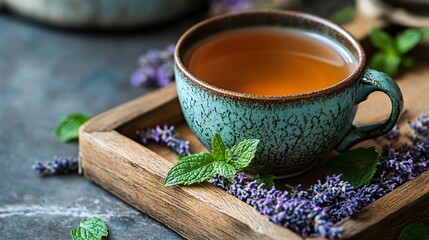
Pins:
x,y
349,80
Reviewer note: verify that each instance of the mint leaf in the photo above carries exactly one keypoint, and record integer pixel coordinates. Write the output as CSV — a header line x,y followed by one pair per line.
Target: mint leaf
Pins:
x,y
68,127
191,169
265,178
90,229
218,147
197,168
391,64
386,62
407,40
414,231
382,40
343,15
225,169
242,154
357,166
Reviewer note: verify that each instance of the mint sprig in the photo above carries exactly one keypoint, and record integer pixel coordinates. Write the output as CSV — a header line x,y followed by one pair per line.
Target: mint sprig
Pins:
x,y
391,55
357,166
199,167
68,127
90,229
414,231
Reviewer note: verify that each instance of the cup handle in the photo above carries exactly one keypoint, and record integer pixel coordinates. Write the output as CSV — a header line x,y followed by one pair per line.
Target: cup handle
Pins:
x,y
371,81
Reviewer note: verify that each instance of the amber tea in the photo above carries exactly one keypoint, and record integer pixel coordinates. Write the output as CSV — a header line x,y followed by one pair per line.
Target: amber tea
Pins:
x,y
270,61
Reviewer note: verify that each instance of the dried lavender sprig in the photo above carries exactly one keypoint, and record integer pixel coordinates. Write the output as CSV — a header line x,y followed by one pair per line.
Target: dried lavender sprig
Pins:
x,y
156,67
58,165
166,135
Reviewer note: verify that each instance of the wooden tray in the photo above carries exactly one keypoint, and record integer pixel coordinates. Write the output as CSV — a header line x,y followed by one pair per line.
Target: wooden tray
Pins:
x,y
111,156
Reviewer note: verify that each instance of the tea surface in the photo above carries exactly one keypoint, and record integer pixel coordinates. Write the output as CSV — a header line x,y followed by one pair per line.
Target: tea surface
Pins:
x,y
270,61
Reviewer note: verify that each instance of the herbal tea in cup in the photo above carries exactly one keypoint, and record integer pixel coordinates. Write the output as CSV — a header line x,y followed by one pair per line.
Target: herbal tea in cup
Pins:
x,y
270,61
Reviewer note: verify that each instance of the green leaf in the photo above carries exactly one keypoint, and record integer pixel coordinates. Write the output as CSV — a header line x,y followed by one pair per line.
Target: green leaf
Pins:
x,y
242,154
357,166
225,169
90,229
265,178
218,147
191,169
391,64
385,62
382,40
68,127
414,231
407,40
343,15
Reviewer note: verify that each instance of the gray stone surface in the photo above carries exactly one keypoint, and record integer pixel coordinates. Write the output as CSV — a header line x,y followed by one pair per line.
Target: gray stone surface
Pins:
x,y
46,73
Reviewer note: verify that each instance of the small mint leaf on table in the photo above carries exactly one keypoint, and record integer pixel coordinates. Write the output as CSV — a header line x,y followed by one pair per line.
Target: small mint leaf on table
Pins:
x,y
357,166
68,127
90,229
407,40
225,169
414,231
191,169
218,147
265,178
242,154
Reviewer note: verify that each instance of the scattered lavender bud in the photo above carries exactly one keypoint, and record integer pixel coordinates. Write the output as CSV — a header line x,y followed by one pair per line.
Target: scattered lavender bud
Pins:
x,y
58,165
166,135
156,67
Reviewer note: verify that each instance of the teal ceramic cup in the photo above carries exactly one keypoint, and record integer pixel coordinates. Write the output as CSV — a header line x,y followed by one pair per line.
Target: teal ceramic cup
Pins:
x,y
295,131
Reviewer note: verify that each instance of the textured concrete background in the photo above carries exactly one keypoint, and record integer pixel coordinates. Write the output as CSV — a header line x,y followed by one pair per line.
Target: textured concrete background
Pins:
x,y
46,73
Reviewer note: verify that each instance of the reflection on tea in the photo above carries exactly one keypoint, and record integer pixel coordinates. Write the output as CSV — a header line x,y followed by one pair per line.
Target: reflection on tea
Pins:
x,y
270,61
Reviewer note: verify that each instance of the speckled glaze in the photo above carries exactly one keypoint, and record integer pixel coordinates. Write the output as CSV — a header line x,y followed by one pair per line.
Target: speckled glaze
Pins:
x,y
295,130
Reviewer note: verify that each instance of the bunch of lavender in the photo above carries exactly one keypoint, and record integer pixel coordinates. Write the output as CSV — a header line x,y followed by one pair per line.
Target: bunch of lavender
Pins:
x,y
166,135
156,67
58,165
315,210
295,209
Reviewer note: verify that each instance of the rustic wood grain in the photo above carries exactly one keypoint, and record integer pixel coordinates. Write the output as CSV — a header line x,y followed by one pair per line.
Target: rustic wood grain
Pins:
x,y
111,156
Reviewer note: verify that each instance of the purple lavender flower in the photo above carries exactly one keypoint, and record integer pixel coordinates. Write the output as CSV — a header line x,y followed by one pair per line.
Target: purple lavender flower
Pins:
x,y
58,165
166,135
156,67
315,210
